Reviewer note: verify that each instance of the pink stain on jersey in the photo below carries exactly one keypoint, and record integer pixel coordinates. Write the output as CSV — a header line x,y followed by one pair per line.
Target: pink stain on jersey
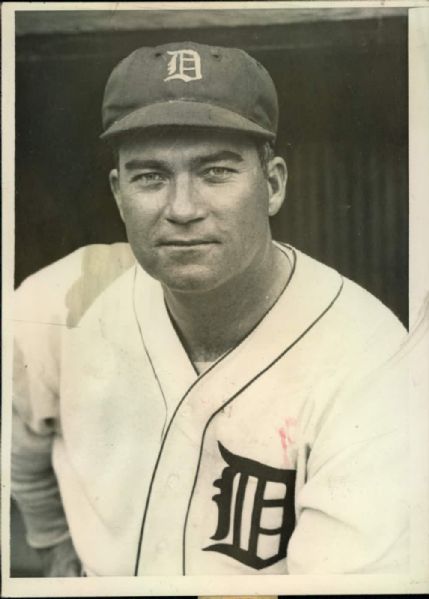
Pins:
x,y
287,439
282,434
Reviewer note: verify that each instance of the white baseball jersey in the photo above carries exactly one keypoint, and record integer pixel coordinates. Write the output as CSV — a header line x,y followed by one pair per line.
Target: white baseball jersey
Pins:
x,y
282,457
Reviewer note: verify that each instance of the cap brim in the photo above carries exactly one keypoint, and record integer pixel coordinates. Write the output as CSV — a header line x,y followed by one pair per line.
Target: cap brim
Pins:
x,y
185,113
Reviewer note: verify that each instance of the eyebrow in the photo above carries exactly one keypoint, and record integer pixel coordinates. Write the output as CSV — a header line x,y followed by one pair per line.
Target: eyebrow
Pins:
x,y
219,156
138,163
135,164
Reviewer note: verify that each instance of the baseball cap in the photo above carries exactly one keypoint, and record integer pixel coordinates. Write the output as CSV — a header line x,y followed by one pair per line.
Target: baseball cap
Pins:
x,y
190,84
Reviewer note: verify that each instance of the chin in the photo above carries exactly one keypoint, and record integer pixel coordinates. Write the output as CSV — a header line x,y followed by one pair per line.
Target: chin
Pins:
x,y
191,280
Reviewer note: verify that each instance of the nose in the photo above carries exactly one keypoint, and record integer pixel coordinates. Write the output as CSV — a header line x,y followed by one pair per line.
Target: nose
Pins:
x,y
183,204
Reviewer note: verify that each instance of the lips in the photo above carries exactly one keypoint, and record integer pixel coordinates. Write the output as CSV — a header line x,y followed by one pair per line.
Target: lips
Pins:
x,y
186,242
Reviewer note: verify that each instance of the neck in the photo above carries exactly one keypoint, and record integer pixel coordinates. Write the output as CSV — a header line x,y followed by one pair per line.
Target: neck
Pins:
x,y
211,323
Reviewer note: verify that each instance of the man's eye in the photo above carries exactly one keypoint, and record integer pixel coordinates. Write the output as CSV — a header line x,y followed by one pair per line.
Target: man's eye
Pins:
x,y
218,173
151,178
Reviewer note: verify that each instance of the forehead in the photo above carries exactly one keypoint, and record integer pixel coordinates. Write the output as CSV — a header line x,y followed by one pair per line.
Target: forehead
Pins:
x,y
186,142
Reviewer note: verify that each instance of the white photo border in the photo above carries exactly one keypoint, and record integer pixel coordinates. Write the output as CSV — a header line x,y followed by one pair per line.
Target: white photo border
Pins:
x,y
418,580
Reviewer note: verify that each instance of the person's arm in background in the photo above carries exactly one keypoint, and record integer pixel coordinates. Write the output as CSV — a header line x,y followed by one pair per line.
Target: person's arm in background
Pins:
x,y
45,305
35,490
35,422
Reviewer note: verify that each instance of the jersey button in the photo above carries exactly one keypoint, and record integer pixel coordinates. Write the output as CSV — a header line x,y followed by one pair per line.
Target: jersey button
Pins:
x,y
161,546
173,481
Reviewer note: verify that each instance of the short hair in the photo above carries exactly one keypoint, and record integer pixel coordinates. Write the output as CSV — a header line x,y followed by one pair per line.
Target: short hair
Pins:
x,y
266,153
264,149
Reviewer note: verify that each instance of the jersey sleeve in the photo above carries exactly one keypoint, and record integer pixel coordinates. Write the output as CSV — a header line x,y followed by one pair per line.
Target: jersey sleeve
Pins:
x,y
353,507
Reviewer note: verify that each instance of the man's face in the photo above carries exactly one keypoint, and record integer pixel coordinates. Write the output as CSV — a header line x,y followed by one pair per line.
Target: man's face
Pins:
x,y
195,206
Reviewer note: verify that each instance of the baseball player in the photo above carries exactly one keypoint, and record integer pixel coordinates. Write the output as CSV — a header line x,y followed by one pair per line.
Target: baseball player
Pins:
x,y
199,400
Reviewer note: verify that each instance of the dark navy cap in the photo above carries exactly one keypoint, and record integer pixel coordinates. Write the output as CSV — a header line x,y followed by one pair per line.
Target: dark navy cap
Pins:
x,y
190,84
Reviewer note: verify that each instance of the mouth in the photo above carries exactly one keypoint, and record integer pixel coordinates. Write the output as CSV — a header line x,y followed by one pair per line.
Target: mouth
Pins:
x,y
186,243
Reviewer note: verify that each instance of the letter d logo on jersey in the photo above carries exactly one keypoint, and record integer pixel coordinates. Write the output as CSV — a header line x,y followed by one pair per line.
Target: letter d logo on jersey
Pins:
x,y
184,65
256,514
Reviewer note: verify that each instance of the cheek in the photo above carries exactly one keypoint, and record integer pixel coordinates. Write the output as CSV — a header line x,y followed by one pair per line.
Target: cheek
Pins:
x,y
140,225
249,220
140,217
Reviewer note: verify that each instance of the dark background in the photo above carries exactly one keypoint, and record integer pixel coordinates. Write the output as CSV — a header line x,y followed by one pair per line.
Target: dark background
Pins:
x,y
342,79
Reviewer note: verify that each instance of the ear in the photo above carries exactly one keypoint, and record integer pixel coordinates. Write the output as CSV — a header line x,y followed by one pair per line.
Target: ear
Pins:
x,y
277,178
114,186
